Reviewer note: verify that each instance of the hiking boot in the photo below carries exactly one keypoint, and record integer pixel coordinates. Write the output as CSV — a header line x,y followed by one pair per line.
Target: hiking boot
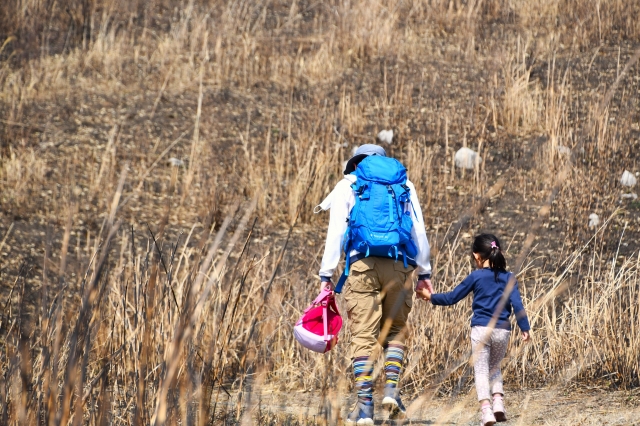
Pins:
x,y
498,410
488,419
362,414
393,403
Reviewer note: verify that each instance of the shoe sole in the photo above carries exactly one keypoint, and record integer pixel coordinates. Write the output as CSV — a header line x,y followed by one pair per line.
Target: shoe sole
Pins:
x,y
500,416
389,403
395,412
489,422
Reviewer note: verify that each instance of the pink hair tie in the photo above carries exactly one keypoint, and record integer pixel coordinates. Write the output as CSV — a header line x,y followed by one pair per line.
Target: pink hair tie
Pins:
x,y
494,245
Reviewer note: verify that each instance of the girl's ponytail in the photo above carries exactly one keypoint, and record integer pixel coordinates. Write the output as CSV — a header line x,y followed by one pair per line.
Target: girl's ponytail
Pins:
x,y
488,247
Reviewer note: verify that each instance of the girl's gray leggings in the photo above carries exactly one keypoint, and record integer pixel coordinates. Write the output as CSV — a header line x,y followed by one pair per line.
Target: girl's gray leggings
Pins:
x,y
488,349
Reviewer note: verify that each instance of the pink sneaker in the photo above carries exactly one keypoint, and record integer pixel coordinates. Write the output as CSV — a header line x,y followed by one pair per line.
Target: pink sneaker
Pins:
x,y
488,419
498,410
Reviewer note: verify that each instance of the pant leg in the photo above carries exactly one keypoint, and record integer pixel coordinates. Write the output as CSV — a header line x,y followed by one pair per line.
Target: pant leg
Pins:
x,y
362,294
481,349
499,344
396,297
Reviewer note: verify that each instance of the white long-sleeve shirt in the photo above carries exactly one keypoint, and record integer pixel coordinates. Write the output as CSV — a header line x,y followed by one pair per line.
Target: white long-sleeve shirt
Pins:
x,y
340,202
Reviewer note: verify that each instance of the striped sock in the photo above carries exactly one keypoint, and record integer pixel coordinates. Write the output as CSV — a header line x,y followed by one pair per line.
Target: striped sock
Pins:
x,y
363,372
394,355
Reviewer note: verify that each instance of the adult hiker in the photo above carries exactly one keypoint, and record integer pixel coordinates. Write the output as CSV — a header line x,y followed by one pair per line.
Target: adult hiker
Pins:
x,y
376,220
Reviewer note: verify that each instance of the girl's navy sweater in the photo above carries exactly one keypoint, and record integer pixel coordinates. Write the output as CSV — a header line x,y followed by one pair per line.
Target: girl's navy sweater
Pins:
x,y
487,290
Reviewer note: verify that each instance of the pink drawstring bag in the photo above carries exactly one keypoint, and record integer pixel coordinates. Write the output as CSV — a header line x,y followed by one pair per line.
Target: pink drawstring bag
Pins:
x,y
318,327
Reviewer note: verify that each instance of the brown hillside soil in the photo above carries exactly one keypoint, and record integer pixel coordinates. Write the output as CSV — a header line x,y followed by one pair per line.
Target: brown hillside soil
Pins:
x,y
71,127
69,133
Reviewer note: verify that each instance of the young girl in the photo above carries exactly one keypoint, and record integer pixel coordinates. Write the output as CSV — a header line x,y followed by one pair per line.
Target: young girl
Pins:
x,y
490,329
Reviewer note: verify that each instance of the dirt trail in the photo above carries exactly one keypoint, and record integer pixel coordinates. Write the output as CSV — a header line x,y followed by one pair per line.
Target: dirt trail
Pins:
x,y
534,407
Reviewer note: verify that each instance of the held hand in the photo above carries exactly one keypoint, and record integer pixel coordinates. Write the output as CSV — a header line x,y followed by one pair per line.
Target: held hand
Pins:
x,y
425,284
326,284
424,294
424,289
525,336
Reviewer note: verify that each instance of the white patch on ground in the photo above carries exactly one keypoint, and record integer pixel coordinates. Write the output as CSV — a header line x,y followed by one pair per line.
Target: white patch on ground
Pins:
x,y
175,162
466,158
386,136
628,179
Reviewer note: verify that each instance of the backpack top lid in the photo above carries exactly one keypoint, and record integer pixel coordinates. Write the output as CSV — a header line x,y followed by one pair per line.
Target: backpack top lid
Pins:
x,y
383,170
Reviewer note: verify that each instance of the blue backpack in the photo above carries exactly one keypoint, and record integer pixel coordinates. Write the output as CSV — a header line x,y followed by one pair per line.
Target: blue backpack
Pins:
x,y
380,222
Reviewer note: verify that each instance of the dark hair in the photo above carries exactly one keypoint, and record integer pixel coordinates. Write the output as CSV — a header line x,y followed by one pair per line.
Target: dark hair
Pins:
x,y
488,247
353,162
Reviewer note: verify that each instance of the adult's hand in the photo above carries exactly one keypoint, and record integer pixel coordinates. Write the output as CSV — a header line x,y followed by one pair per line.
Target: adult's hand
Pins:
x,y
424,285
326,284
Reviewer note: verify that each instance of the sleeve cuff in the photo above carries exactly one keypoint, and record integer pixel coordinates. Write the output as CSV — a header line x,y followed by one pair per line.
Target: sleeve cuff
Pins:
x,y
523,321
424,277
325,279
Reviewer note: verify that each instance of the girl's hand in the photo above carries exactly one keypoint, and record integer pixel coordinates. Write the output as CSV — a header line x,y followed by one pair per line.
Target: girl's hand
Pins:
x,y
525,336
423,293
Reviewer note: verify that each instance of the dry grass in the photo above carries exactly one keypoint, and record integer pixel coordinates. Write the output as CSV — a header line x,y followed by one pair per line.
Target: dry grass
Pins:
x,y
136,291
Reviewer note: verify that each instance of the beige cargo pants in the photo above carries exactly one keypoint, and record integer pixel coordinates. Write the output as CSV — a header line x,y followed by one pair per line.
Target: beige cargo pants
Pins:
x,y
379,294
